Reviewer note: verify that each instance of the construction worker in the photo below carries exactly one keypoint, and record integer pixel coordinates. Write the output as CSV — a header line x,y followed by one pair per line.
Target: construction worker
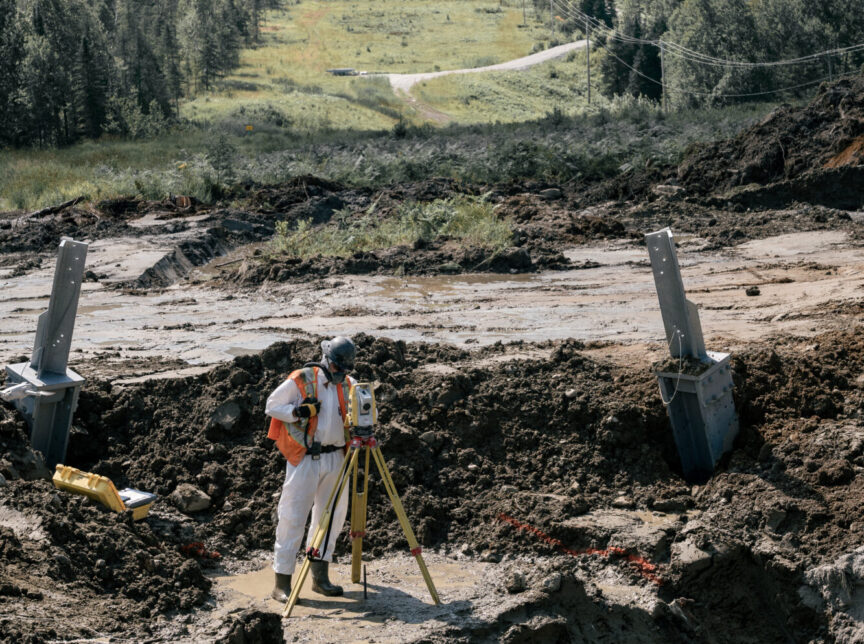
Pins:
x,y
309,419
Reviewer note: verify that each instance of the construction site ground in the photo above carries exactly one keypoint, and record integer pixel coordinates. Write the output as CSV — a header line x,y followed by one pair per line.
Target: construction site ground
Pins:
x,y
519,412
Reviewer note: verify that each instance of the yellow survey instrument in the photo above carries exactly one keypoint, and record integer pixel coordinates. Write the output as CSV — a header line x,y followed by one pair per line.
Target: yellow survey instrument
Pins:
x,y
363,416
101,489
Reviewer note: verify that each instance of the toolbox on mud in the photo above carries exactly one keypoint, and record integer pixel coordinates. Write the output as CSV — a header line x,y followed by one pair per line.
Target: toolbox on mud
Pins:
x,y
101,489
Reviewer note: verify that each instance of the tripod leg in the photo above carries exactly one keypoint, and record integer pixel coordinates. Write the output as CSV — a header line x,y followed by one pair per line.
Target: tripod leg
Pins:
x,y
403,520
348,462
358,521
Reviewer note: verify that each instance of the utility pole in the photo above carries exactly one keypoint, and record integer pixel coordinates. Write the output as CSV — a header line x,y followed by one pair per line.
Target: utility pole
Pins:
x,y
524,15
551,23
588,52
663,74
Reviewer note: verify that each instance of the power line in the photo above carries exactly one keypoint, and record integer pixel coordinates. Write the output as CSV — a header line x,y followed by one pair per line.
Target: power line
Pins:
x,y
698,93
691,55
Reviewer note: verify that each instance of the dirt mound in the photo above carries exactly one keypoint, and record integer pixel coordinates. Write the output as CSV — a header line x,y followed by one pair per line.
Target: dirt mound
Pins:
x,y
817,145
51,541
567,448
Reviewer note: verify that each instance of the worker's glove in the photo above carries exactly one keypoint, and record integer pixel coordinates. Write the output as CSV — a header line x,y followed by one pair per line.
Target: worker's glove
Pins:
x,y
308,408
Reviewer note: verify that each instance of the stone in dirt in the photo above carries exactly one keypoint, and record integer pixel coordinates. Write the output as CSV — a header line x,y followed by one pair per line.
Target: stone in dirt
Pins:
x,y
254,627
190,499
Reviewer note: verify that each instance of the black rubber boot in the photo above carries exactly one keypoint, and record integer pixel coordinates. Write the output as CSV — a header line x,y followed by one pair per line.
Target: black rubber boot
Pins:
x,y
321,580
282,589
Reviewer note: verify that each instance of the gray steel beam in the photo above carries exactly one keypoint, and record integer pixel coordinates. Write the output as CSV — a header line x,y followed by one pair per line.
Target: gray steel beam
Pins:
x,y
680,316
55,326
701,407
52,388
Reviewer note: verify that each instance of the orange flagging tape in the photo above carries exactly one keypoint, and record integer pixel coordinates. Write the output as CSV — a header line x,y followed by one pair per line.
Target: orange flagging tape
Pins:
x,y
644,567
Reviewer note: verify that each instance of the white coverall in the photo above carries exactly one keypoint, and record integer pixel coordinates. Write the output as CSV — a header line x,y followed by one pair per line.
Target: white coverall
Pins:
x,y
308,486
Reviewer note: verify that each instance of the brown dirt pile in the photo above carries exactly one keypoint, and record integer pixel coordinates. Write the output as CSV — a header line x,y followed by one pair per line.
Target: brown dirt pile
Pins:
x,y
807,149
469,437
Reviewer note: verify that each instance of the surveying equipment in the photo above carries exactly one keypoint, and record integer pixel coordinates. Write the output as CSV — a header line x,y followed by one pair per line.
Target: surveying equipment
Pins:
x,y
362,418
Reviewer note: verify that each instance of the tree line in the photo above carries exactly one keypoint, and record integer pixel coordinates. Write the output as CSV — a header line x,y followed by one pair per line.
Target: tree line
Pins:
x,y
739,30
73,69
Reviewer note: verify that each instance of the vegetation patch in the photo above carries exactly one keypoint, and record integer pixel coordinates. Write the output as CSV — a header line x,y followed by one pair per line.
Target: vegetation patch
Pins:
x,y
473,221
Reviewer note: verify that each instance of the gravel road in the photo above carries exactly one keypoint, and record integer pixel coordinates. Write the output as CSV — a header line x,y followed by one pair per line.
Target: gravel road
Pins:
x,y
405,82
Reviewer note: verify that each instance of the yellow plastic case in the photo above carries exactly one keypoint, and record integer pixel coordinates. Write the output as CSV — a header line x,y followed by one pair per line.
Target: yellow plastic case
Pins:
x,y
101,489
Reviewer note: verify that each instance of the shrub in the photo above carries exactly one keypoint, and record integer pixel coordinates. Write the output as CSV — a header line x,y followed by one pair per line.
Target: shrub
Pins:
x,y
472,220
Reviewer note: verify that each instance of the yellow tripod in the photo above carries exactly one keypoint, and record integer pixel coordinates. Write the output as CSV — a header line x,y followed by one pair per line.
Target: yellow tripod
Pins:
x,y
350,466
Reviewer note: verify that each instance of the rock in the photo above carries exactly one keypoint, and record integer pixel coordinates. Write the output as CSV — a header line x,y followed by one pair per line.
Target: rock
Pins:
x,y
432,439
508,489
667,190
552,583
838,585
571,393
835,472
226,415
240,378
670,505
686,555
188,499
773,518
449,267
253,627
623,502
752,291
473,466
550,194
490,556
31,466
515,582
517,258
2,481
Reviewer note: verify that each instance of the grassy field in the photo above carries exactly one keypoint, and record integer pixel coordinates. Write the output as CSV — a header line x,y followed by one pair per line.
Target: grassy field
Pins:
x,y
287,74
513,96
282,90
357,131
557,148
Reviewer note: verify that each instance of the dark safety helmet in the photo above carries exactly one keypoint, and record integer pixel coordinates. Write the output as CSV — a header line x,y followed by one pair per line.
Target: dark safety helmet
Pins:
x,y
340,351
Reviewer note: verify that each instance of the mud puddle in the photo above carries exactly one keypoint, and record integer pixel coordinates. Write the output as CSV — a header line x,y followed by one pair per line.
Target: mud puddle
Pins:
x,y
397,608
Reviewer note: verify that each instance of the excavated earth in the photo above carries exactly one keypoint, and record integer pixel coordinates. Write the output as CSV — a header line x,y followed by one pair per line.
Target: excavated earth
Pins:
x,y
540,476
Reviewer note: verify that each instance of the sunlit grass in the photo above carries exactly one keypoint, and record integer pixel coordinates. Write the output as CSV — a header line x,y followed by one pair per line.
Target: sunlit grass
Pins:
x,y
471,220
301,42
512,96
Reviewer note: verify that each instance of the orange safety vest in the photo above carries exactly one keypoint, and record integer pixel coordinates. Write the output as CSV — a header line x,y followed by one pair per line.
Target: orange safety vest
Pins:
x,y
289,437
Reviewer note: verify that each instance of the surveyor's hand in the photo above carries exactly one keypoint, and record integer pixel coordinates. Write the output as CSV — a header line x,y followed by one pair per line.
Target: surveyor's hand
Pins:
x,y
308,408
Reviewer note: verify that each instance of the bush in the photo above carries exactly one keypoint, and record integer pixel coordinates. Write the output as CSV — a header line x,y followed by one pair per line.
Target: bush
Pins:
x,y
472,220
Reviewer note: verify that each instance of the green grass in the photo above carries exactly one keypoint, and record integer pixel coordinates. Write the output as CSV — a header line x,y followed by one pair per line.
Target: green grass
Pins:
x,y
471,220
288,71
353,130
558,148
512,96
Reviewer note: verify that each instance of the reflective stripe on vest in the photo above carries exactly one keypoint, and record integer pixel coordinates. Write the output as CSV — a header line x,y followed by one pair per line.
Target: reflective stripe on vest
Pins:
x,y
291,438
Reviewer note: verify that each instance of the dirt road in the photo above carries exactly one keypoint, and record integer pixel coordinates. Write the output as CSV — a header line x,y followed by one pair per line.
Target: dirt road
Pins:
x,y
404,82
